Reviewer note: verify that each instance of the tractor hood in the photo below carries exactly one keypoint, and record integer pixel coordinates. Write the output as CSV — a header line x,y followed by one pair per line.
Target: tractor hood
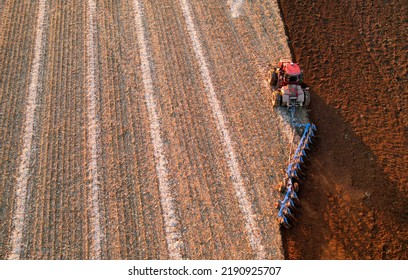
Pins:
x,y
292,69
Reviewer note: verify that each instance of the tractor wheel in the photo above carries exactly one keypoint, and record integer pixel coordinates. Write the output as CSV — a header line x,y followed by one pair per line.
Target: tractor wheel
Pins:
x,y
276,98
269,76
272,77
307,98
274,80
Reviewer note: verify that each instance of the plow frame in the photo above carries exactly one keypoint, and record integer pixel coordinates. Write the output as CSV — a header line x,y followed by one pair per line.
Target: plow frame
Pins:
x,y
294,167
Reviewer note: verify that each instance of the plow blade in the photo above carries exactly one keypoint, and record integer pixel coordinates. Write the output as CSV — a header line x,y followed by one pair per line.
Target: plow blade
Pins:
x,y
294,170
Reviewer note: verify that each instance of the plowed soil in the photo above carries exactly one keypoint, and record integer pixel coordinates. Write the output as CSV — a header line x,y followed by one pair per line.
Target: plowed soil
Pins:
x,y
354,54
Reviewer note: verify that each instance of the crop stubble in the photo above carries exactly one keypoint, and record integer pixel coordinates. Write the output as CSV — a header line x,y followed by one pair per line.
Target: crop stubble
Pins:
x,y
16,55
211,222
135,227
206,202
235,70
56,224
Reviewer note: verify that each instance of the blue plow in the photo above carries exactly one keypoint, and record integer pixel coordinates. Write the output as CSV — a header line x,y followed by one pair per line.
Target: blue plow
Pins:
x,y
291,186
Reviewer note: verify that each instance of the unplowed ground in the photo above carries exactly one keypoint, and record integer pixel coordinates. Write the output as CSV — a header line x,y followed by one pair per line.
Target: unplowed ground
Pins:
x,y
60,222
56,220
355,199
16,48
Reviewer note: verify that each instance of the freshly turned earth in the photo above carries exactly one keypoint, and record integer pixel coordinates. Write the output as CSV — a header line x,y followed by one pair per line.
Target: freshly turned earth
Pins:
x,y
354,199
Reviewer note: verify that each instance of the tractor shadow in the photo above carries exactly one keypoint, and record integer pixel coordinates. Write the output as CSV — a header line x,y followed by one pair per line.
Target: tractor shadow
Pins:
x,y
349,207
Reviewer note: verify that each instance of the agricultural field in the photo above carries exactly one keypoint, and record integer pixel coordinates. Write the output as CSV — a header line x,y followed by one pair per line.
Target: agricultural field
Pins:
x,y
138,129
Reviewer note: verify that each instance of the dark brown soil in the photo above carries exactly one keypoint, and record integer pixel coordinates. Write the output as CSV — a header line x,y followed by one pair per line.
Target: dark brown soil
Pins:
x,y
354,54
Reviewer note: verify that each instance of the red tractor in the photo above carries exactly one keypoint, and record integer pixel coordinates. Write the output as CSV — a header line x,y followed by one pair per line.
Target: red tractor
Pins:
x,y
286,82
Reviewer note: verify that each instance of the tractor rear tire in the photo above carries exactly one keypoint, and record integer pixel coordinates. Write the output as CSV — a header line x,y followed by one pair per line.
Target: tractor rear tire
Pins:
x,y
272,78
276,99
269,77
307,98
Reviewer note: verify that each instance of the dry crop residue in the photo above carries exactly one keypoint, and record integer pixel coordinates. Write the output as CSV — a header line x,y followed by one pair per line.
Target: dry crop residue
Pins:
x,y
93,133
16,56
207,202
19,211
130,199
55,224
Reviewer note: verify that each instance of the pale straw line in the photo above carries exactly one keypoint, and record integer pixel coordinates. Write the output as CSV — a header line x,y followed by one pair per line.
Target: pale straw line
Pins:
x,y
251,226
24,166
236,7
173,235
93,135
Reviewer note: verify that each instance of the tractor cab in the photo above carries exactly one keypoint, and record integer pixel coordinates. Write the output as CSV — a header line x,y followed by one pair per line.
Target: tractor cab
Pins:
x,y
290,73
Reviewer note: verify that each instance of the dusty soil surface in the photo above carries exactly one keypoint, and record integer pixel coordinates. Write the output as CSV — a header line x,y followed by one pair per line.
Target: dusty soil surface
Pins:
x,y
55,227
58,215
354,55
15,51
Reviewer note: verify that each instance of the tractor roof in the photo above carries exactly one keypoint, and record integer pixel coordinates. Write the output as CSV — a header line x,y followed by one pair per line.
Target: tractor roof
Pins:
x,y
292,68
